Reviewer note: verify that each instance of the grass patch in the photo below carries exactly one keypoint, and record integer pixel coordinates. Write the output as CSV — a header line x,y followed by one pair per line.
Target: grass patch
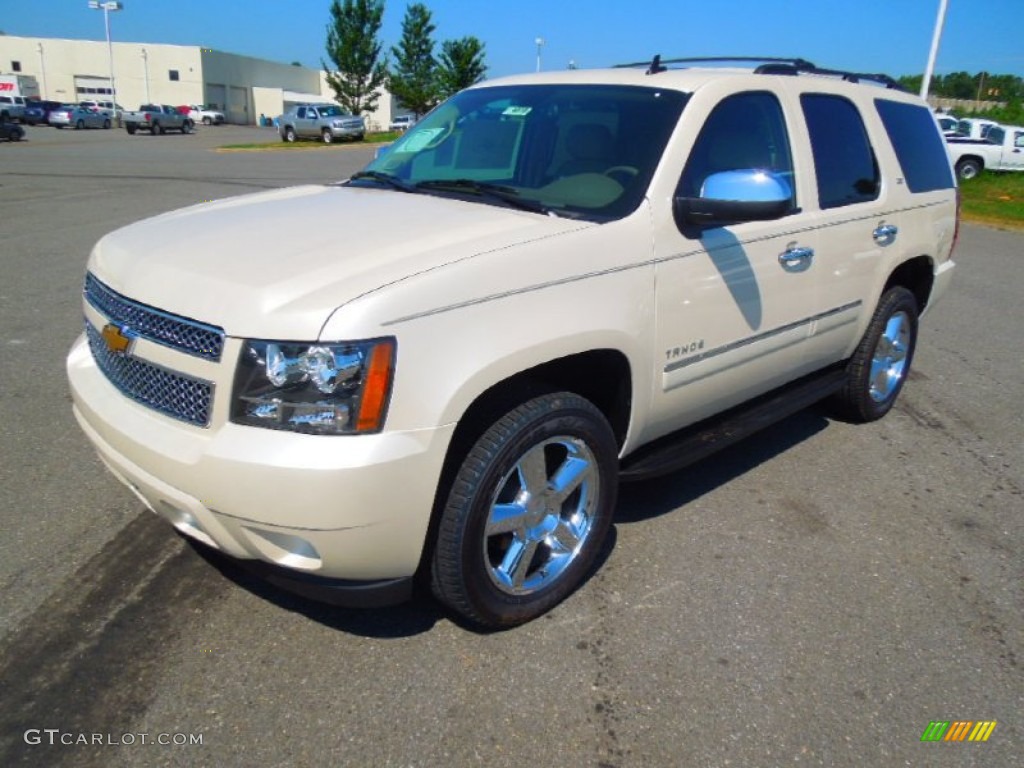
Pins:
x,y
277,144
994,198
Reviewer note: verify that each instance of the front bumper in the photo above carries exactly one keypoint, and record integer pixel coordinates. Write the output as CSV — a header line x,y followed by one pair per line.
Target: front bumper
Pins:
x,y
346,133
350,508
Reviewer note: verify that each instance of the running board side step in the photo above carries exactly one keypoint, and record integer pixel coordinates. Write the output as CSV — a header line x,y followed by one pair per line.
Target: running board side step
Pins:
x,y
691,444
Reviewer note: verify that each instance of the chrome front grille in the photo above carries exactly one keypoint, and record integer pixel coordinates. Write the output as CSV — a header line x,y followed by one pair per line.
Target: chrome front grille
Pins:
x,y
180,333
180,397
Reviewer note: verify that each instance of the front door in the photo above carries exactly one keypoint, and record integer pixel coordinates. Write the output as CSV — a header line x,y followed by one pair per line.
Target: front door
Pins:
x,y
735,303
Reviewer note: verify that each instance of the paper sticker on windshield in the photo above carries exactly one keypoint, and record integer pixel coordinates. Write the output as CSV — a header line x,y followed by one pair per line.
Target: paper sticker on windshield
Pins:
x,y
417,141
517,111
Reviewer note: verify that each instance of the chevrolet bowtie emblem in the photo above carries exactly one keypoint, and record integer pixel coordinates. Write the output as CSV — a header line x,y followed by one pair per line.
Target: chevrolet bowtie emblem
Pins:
x,y
118,340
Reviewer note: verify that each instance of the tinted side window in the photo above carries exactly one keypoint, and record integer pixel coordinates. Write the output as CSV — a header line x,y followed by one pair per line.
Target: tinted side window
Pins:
x,y
919,148
844,162
744,131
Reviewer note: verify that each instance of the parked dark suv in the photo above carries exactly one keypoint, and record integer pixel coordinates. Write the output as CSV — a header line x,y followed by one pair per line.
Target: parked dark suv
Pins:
x,y
38,112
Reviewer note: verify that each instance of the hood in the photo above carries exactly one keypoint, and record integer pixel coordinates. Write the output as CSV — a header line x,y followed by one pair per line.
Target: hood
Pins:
x,y
276,264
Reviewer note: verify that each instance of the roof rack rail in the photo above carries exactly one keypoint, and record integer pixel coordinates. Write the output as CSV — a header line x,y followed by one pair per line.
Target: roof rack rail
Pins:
x,y
769,65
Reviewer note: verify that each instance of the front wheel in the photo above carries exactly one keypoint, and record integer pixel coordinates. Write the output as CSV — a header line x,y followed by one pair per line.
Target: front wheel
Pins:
x,y
327,136
106,124
79,125
207,120
880,366
527,512
186,127
289,135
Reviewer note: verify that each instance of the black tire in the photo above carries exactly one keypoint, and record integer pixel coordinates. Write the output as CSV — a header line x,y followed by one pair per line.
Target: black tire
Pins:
x,y
289,135
556,531
879,368
106,124
158,128
968,168
207,120
186,127
79,125
326,135
131,129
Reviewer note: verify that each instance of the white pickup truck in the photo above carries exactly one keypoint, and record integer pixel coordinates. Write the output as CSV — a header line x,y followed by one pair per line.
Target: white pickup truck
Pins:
x,y
1002,149
199,113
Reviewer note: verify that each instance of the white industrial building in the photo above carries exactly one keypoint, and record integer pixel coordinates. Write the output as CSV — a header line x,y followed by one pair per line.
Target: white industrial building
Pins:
x,y
242,87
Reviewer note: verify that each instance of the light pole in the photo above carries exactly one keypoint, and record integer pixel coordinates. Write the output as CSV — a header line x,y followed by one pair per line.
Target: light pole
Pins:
x,y
540,44
145,71
42,66
107,6
926,81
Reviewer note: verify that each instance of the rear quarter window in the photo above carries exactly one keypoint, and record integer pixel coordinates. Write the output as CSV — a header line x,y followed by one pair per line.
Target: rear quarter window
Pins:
x,y
919,148
844,161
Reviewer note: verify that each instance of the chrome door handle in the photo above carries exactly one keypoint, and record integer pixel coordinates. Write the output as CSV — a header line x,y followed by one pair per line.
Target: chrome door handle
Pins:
x,y
795,259
885,234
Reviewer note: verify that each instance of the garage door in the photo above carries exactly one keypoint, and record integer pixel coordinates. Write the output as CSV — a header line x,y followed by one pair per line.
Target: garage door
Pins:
x,y
238,106
217,96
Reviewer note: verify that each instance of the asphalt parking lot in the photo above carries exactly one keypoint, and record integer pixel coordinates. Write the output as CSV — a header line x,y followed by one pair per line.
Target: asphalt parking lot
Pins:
x,y
815,596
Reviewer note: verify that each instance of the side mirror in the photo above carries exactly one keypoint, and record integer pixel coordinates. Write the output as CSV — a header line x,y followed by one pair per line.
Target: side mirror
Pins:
x,y
735,196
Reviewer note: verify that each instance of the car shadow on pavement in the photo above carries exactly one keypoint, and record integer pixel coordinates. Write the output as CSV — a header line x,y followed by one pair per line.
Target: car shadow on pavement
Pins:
x,y
645,499
412,617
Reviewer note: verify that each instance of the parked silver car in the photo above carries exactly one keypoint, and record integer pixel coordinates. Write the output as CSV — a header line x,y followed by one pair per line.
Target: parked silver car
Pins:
x,y
77,117
326,122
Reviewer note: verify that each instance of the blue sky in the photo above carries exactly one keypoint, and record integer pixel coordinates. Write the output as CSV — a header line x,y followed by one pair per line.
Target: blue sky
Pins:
x,y
890,36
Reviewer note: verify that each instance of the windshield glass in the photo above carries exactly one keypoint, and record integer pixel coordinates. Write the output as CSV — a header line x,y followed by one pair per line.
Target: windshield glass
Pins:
x,y
579,150
330,112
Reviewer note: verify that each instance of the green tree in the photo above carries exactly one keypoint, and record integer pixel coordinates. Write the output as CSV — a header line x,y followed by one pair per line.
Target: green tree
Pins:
x,y
353,47
461,65
414,77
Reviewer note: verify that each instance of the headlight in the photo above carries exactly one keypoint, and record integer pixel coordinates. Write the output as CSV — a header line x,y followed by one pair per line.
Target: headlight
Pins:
x,y
320,389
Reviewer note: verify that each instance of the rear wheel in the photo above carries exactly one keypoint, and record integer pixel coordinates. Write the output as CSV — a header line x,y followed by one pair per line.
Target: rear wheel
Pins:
x,y
968,168
186,127
106,124
327,136
527,512
130,128
881,364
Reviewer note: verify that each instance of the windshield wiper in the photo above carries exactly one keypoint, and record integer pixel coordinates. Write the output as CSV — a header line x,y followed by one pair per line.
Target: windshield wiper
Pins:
x,y
384,178
508,195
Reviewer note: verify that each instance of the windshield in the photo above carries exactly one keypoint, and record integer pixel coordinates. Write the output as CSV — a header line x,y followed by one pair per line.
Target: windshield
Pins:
x,y
579,150
331,112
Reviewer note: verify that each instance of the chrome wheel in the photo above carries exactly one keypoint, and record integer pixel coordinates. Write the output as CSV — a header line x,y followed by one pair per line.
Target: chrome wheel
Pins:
x,y
881,363
889,361
527,511
541,515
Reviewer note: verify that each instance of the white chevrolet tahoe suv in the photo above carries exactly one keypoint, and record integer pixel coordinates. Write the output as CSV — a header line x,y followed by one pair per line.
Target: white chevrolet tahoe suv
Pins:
x,y
550,283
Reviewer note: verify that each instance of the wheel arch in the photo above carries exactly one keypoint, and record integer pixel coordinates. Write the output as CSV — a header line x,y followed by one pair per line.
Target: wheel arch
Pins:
x,y
917,275
970,158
